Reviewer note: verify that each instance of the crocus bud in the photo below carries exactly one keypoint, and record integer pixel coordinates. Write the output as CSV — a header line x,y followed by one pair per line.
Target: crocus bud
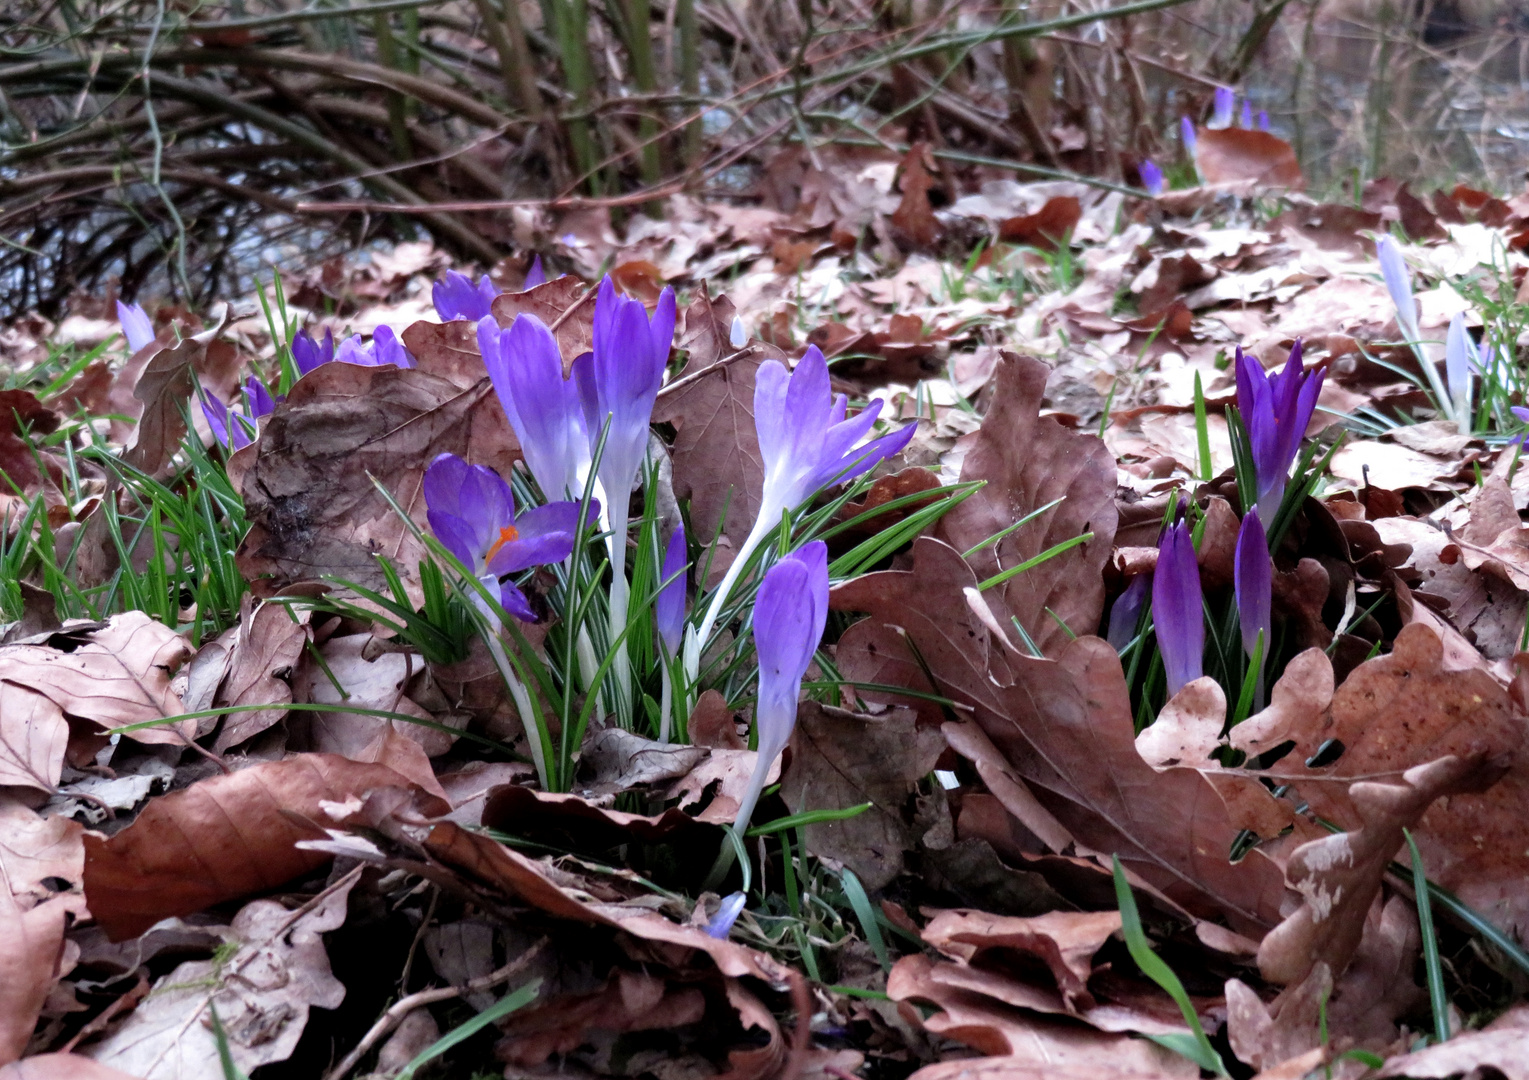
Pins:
x,y
535,275
1177,608
669,608
1399,285
1252,575
1187,131
137,327
790,611
1226,101
1247,114
721,923
738,337
1151,176
1127,612
1458,358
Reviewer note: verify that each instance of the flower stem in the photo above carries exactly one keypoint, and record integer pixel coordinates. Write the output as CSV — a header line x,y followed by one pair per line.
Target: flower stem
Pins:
x,y
619,601
529,718
763,526
666,701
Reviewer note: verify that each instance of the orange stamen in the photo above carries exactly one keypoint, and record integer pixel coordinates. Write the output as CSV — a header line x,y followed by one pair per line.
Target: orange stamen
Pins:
x,y
506,534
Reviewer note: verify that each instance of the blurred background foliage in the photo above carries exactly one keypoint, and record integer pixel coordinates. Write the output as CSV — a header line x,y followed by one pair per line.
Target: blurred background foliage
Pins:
x,y
178,149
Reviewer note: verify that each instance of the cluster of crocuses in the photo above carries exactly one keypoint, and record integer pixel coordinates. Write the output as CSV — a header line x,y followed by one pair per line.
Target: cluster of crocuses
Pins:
x,y
587,430
1223,115
1275,409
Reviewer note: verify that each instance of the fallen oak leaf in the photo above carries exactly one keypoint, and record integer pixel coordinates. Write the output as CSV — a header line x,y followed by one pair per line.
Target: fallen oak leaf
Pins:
x,y
1340,875
221,838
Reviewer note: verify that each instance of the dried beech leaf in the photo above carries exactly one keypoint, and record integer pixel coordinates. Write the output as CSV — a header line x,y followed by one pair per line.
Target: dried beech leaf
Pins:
x,y
312,504
220,839
1065,941
118,675
33,734
271,640
841,759
1246,156
1056,463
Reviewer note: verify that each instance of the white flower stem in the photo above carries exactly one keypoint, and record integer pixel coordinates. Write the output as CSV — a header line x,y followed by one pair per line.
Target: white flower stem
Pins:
x,y
621,670
751,796
763,526
666,702
535,734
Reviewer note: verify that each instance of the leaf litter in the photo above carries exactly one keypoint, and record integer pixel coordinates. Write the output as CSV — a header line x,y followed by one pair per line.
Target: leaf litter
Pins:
x,y
321,828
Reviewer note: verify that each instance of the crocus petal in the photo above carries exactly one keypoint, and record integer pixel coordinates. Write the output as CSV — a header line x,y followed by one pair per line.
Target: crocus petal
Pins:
x,y
546,535
1247,114
261,403
1187,133
1127,612
1520,411
669,607
535,275
1263,120
443,482
389,349
1399,285
543,407
1177,608
790,611
309,354
217,416
1226,101
1457,361
514,601
1253,580
1151,177
137,327
721,923
458,537
457,297
737,336
468,506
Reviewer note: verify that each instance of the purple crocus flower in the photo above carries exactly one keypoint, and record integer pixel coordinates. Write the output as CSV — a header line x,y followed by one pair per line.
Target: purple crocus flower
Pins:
x,y
137,327
1221,116
1176,608
384,348
1523,417
1263,119
457,297
807,444
526,367
1399,285
535,275
721,923
309,353
472,511
1275,410
1252,579
1151,176
1127,612
1459,355
237,426
669,607
1247,114
1187,132
790,612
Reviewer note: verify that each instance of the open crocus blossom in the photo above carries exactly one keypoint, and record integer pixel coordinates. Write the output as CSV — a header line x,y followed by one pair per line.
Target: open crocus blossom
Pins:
x,y
1177,608
456,297
807,444
137,327
790,612
543,407
235,427
472,511
1275,410
1151,176
384,348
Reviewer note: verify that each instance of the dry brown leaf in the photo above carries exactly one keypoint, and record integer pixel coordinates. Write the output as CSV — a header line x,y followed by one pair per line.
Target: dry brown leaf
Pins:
x,y
1340,875
162,390
1065,726
370,682
914,216
270,641
841,759
220,839
1499,1049
716,451
309,493
711,723
31,949
1065,941
549,302
1047,227
33,734
34,850
1056,463
262,994
1405,709
118,674
1243,155
61,1067
723,778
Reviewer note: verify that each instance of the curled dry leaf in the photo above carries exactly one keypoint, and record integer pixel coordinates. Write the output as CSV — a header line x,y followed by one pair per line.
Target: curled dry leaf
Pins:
x,y
162,390
614,760
261,995
1056,463
309,493
1499,1049
270,641
720,780
1065,727
222,838
1065,941
1402,710
118,674
1339,876
841,759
